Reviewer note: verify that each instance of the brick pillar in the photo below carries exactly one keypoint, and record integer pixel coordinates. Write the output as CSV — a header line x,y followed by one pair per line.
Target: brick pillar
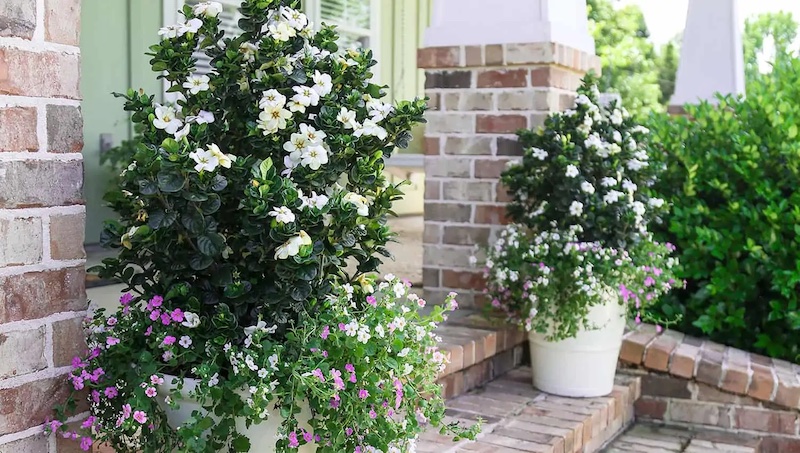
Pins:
x,y
42,296
480,96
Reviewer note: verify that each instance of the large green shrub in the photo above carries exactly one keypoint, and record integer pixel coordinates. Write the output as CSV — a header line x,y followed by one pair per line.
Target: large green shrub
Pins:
x,y
733,178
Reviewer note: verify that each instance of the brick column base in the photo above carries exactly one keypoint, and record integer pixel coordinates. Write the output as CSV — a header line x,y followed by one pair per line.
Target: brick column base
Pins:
x,y
479,97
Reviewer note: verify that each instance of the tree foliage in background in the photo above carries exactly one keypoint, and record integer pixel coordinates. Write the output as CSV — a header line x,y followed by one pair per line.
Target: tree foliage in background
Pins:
x,y
762,34
667,66
631,65
732,178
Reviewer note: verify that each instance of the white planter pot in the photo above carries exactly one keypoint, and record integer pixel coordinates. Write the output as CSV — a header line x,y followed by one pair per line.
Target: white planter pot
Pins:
x,y
262,435
583,366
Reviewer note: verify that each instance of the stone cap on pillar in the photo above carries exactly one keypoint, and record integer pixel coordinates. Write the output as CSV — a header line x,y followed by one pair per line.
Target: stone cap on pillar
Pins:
x,y
712,59
477,22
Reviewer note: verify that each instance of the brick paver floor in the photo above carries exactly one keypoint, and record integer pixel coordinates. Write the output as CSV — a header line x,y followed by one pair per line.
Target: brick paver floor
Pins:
x,y
644,438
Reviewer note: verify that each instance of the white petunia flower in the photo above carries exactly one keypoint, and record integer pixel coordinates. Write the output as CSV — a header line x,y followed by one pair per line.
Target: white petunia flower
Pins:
x,y
197,83
323,83
283,215
207,9
185,341
575,209
572,171
608,182
190,320
612,196
166,119
205,160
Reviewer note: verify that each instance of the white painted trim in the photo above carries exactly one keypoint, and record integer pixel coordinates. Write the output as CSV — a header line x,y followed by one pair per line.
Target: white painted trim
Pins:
x,y
38,46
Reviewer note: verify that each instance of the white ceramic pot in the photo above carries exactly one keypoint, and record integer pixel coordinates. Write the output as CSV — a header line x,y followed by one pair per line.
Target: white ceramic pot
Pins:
x,y
583,366
262,435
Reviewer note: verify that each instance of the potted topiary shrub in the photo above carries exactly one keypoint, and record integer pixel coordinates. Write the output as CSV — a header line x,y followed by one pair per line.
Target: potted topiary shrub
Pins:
x,y
578,256
243,328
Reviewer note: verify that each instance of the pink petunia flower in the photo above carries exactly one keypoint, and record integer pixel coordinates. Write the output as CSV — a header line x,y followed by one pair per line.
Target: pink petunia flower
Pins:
x,y
156,301
372,301
89,422
86,443
325,332
372,414
150,392
350,368
363,394
169,340
111,341
126,299
308,437
140,417
177,315
149,331
126,411
166,319
293,442
111,392
112,321
318,374
154,315
95,396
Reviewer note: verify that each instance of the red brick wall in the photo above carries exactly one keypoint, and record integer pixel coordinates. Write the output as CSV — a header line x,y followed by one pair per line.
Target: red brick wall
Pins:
x,y
479,97
42,296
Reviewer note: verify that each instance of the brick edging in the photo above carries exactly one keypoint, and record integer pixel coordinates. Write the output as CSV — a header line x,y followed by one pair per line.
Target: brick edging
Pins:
x,y
724,368
522,54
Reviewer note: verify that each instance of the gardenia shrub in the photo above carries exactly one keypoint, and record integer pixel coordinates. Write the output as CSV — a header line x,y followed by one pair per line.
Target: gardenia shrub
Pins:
x,y
734,181
580,214
239,214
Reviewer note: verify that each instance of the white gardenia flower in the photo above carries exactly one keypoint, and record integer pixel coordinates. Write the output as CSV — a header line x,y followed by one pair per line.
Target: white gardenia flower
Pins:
x,y
608,182
313,136
205,160
370,128
572,171
359,201
636,164
166,119
638,208
612,196
613,149
656,202
380,111
314,201
292,246
183,133
272,98
314,157
306,96
616,117
347,118
617,137
273,119
539,153
296,144
281,31
641,155
197,83
190,26
582,99
249,51
629,186
190,320
575,209
587,187
207,9
594,141
169,32
283,215
323,83
294,18
225,160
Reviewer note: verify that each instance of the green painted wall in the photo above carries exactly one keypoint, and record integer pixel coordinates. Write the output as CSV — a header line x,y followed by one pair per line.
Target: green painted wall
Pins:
x,y
114,37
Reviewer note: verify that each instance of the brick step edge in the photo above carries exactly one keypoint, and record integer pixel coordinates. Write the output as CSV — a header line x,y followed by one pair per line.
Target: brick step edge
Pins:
x,y
517,417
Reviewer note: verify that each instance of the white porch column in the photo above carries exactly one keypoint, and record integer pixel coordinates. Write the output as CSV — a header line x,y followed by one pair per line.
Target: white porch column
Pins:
x,y
475,22
712,59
